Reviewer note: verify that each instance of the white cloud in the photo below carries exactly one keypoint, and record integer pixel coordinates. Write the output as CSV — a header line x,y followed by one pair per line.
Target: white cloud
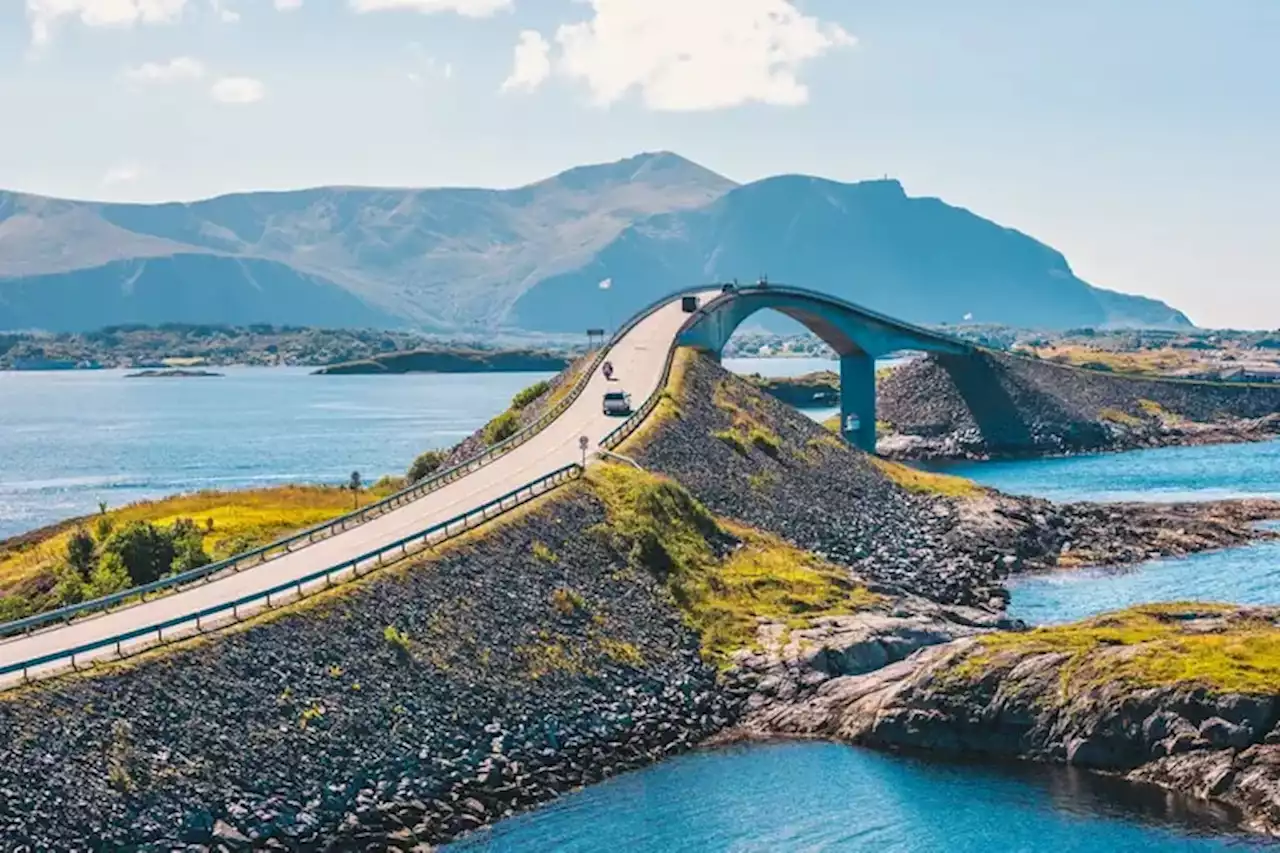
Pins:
x,y
225,14
123,173
43,15
466,8
532,63
695,54
177,69
238,90
288,5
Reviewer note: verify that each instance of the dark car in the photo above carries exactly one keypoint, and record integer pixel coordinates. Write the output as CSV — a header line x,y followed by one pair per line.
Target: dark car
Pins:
x,y
617,403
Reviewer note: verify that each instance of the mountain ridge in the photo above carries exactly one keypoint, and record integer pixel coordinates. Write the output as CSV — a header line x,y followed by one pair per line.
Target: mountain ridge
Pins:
x,y
468,258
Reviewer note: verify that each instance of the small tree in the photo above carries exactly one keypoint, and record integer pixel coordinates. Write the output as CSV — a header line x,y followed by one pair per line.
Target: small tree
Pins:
x,y
354,485
80,556
145,551
425,465
188,545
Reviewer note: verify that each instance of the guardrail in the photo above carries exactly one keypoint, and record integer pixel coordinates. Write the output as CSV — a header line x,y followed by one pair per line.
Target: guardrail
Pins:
x,y
301,539
317,581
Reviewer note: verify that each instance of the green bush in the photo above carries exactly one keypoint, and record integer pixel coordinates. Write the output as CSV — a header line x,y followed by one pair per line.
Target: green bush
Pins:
x,y
80,553
145,551
188,546
528,395
425,465
501,428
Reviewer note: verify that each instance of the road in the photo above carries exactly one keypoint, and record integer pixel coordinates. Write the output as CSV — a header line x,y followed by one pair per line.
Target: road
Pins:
x,y
638,360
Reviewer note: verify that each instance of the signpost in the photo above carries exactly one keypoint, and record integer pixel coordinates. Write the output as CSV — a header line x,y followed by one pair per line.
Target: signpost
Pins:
x,y
583,444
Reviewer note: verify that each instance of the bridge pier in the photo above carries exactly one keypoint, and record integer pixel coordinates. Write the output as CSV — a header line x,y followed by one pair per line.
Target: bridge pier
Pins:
x,y
858,400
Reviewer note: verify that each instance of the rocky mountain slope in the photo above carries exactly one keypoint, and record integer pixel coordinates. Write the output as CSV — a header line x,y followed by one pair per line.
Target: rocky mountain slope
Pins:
x,y
529,258
918,259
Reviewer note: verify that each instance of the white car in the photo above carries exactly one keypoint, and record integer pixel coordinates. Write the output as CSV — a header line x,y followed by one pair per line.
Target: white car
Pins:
x,y
617,403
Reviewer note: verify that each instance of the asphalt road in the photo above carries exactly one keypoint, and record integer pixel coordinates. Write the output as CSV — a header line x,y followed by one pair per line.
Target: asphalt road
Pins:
x,y
638,359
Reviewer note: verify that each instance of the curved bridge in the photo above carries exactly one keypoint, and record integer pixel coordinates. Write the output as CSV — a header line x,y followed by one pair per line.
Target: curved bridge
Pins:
x,y
859,335
480,489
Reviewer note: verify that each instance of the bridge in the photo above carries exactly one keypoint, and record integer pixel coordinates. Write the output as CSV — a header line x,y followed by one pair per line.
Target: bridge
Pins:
x,y
544,455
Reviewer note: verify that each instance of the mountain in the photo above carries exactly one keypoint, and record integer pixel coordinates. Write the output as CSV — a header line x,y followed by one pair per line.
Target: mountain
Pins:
x,y
530,257
337,256
915,258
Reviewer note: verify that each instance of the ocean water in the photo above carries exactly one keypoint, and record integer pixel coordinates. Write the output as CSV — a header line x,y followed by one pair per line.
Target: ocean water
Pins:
x,y
827,797
69,439
1158,475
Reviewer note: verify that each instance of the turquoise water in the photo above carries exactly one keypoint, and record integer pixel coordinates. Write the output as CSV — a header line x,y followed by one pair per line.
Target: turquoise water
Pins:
x,y
828,797
1163,474
70,439
1248,575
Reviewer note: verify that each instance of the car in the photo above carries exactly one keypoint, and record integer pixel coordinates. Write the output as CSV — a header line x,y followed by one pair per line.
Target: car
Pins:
x,y
617,403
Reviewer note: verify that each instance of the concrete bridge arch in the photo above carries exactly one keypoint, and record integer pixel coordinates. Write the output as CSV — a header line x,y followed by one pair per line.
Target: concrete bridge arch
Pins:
x,y
858,335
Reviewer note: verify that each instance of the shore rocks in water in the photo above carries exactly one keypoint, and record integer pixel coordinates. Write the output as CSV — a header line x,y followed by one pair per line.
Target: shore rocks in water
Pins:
x,y
995,404
1185,696
420,704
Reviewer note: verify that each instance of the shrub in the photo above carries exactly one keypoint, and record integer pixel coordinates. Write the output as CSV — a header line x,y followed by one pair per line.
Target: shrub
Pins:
x,y
188,546
146,552
398,640
530,394
426,464
544,553
80,556
501,428
568,601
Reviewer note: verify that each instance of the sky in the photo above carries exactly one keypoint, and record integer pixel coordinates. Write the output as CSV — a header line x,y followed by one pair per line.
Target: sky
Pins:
x,y
1139,138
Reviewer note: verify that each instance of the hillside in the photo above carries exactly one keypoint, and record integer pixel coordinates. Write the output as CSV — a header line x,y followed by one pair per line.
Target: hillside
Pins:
x,y
919,259
468,260
332,256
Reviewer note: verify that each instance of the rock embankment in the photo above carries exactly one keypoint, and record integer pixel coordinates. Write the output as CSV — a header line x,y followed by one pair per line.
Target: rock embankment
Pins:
x,y
750,457
994,404
400,711
1184,696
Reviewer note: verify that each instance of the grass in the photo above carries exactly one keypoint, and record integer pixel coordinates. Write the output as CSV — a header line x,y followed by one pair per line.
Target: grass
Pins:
x,y
749,428
1154,362
668,406
1116,416
724,598
568,601
544,553
240,520
1153,645
927,482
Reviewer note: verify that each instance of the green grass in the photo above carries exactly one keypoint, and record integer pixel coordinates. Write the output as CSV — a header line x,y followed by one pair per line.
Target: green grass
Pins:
x,y
527,396
927,482
1118,417
749,425
1152,645
544,553
668,533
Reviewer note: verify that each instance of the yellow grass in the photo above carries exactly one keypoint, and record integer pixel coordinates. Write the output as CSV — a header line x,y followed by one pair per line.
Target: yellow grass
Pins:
x,y
241,520
927,482
1152,645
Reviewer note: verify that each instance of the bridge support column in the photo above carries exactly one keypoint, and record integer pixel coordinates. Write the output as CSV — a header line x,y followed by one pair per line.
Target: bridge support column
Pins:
x,y
858,400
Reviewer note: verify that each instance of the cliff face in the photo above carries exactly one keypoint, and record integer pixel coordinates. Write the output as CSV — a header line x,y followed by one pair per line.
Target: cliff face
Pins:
x,y
996,404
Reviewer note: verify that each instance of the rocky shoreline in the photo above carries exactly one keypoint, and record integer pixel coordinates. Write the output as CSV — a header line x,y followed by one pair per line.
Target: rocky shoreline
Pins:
x,y
1142,693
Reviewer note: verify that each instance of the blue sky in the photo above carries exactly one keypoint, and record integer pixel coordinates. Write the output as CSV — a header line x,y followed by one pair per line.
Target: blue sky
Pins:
x,y
1138,137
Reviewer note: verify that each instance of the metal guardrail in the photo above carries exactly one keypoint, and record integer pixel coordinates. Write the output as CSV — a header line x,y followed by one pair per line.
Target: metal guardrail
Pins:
x,y
301,539
412,544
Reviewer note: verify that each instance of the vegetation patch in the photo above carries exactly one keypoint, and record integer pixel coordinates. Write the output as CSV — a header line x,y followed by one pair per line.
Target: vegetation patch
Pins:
x,y
927,482
725,578
1219,647
120,548
749,428
544,553
1116,416
525,397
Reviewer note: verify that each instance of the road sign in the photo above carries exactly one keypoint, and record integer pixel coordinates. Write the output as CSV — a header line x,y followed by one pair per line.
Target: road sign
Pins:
x,y
583,444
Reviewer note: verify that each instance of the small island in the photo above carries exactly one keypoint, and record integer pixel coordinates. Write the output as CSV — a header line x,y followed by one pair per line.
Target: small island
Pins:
x,y
171,373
